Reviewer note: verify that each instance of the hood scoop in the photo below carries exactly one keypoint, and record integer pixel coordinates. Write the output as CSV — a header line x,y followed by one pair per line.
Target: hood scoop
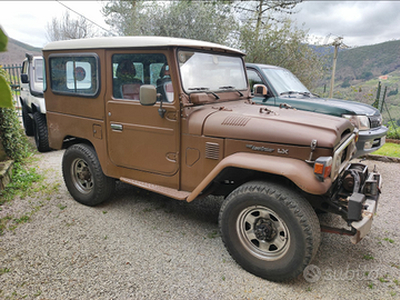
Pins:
x,y
235,121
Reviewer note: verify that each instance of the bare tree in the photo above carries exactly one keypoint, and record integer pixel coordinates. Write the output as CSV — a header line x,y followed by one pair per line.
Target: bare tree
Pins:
x,y
67,28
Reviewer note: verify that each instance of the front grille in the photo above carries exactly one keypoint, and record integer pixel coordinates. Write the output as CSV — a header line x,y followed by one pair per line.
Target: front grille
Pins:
x,y
376,121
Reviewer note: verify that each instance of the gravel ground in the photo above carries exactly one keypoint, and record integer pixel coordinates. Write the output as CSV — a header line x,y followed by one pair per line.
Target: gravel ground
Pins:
x,y
140,245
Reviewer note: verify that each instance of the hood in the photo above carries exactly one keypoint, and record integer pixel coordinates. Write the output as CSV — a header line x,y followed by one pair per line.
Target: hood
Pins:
x,y
243,121
334,107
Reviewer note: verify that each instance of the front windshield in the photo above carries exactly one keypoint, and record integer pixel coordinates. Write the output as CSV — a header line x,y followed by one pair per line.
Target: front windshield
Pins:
x,y
284,81
211,72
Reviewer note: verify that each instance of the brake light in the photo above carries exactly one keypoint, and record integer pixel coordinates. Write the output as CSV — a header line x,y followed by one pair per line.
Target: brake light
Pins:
x,y
323,167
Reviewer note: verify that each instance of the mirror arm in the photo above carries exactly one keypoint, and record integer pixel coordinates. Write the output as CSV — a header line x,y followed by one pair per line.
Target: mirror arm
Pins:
x,y
161,110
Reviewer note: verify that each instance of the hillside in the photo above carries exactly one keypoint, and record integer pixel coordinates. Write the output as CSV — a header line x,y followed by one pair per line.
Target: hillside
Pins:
x,y
368,61
358,73
16,52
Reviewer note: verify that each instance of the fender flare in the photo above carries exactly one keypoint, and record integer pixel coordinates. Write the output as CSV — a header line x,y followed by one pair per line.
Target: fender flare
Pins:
x,y
297,171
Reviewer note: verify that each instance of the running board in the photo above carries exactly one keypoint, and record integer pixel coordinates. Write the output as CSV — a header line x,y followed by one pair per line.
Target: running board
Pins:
x,y
172,193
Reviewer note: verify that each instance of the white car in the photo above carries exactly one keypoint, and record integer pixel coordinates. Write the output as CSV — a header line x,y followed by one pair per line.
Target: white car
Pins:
x,y
32,101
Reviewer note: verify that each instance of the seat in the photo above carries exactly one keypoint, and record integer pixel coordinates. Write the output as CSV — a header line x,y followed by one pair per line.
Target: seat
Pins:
x,y
164,85
126,86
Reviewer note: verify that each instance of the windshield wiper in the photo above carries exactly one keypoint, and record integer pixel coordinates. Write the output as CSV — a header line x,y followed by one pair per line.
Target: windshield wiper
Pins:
x,y
307,94
230,87
204,89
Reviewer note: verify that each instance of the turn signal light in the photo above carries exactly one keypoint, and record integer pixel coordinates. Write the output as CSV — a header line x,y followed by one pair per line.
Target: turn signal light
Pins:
x,y
323,167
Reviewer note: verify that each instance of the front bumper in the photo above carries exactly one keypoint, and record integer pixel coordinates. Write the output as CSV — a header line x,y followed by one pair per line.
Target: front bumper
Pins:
x,y
370,140
364,204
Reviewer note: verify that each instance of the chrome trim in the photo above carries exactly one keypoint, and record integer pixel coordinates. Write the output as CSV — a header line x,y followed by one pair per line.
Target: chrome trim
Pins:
x,y
336,168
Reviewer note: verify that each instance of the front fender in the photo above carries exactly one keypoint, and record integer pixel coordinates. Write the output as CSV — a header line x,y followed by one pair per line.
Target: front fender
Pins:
x,y
297,171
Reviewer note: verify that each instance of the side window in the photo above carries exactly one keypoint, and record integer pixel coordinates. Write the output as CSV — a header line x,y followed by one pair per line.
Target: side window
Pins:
x,y
38,67
77,75
254,78
36,82
130,71
25,67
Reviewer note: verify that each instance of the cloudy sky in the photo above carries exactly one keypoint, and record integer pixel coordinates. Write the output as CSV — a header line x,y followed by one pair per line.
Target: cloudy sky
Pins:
x,y
358,22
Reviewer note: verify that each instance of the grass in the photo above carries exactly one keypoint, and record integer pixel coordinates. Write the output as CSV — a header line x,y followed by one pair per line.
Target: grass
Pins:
x,y
26,182
22,181
389,149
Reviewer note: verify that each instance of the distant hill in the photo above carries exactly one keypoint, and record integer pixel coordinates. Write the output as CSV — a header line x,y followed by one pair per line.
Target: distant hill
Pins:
x,y
367,62
16,52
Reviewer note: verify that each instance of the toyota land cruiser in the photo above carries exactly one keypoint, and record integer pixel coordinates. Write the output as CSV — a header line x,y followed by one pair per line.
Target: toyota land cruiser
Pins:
x,y
175,116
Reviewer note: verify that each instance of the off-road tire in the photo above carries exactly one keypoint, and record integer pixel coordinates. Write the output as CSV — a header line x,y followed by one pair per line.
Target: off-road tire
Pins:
x,y
270,230
27,121
84,177
40,132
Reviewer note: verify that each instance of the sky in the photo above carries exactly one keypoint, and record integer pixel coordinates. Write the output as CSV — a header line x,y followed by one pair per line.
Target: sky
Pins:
x,y
358,22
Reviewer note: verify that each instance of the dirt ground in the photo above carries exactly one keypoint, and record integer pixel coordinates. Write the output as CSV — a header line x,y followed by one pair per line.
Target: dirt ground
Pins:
x,y
140,245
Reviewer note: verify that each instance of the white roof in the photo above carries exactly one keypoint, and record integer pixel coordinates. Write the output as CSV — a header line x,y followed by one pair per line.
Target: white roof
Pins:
x,y
134,42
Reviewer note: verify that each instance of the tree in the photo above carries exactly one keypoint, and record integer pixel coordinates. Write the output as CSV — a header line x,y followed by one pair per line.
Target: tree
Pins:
x,y
255,27
262,12
210,21
67,28
283,45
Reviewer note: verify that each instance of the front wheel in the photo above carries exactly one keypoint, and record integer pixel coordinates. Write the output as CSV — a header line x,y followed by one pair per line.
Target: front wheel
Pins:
x,y
269,230
84,177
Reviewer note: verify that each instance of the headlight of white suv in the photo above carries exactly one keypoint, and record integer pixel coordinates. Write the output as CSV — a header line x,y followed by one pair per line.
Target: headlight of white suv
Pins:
x,y
361,122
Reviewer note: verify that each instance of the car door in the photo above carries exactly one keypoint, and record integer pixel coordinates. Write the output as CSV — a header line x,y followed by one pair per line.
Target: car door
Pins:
x,y
138,136
255,78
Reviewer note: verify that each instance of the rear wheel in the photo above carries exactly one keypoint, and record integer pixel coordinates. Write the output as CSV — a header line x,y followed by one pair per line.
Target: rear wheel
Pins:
x,y
40,132
27,121
84,177
269,230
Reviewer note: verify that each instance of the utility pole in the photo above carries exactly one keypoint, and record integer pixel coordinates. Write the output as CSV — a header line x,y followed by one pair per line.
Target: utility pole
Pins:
x,y
336,43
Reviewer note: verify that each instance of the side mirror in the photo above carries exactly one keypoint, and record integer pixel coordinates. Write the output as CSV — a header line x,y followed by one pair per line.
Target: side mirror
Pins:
x,y
24,78
260,90
148,95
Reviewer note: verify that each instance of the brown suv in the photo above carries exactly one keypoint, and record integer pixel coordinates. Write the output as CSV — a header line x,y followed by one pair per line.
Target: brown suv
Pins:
x,y
175,116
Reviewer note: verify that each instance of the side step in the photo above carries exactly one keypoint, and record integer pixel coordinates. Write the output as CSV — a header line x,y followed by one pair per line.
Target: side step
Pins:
x,y
172,193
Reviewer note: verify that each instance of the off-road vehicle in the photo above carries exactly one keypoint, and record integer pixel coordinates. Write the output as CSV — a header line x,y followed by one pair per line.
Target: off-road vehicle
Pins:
x,y
32,101
175,116
280,87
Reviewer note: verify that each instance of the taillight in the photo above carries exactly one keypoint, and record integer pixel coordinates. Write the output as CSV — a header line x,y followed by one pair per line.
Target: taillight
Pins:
x,y
323,167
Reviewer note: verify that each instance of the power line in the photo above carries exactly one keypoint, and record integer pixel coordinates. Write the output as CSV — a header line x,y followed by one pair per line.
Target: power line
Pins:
x,y
85,18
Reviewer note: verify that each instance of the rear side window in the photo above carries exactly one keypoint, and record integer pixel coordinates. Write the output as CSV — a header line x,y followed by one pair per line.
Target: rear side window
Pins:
x,y
77,75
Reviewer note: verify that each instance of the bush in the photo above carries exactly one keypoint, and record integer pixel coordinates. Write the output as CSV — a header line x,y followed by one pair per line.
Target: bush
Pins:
x,y
393,133
12,136
392,93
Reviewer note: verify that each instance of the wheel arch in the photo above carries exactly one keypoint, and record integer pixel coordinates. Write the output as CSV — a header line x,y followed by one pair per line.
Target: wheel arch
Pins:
x,y
71,140
239,168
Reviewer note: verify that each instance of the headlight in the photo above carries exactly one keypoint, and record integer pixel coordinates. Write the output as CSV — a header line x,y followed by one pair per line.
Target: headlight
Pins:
x,y
361,122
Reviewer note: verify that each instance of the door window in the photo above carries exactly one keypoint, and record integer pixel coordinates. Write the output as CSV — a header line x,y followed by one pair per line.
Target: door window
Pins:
x,y
254,78
130,71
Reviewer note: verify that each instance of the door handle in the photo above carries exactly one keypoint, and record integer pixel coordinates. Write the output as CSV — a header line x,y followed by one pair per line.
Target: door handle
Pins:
x,y
116,127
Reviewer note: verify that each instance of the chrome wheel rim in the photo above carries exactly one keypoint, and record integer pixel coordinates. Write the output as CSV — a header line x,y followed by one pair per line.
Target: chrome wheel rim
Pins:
x,y
82,176
262,233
